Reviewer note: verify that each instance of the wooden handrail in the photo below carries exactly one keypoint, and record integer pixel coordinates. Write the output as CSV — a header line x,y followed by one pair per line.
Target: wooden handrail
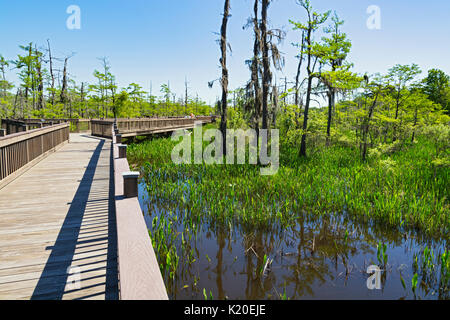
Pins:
x,y
25,135
44,122
133,127
139,274
20,151
100,127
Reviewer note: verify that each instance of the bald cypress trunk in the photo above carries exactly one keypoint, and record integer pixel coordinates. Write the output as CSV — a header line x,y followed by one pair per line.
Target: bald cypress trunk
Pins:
x,y
52,95
299,68
255,69
40,102
267,76
308,95
331,102
82,111
366,126
223,61
274,105
63,96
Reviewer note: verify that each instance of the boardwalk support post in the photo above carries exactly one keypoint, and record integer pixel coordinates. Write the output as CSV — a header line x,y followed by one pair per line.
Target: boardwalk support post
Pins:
x,y
130,184
122,150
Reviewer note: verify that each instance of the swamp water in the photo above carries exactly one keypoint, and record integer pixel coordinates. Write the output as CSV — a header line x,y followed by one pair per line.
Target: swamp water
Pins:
x,y
317,257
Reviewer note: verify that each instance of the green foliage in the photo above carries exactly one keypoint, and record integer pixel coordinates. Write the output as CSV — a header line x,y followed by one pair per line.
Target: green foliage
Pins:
x,y
235,119
414,282
440,135
437,87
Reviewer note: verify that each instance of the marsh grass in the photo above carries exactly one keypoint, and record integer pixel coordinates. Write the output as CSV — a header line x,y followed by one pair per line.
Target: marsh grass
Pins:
x,y
402,191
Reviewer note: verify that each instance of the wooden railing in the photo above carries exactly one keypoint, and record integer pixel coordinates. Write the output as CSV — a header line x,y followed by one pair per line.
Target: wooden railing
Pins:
x,y
20,125
101,128
13,126
76,125
143,126
139,274
22,150
136,125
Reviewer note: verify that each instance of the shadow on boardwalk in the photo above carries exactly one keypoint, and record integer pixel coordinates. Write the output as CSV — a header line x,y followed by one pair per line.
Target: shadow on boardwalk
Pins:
x,y
88,226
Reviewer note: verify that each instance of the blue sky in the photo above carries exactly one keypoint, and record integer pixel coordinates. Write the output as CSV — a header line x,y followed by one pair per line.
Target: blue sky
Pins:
x,y
167,40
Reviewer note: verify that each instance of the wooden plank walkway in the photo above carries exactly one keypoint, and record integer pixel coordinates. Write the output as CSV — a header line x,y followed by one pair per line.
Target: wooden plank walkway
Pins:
x,y
57,215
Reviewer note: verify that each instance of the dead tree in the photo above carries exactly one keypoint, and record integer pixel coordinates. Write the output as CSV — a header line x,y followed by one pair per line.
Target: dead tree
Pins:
x,y
224,80
275,103
267,75
82,111
185,95
255,69
40,102
299,67
63,95
52,95
269,51
18,96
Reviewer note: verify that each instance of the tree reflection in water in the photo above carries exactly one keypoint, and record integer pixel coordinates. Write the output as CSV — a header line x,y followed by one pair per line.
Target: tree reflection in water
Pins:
x,y
319,257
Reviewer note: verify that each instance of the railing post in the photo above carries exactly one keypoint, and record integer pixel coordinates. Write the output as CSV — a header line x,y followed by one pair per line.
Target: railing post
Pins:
x,y
42,143
130,184
122,151
118,138
2,132
27,146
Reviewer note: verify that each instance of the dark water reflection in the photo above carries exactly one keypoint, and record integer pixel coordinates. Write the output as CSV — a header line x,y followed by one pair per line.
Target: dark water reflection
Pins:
x,y
318,258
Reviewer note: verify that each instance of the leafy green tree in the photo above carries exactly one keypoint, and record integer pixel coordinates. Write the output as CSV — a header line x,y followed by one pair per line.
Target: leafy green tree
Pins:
x,y
333,52
373,91
401,76
419,106
4,84
165,90
314,20
125,107
26,65
437,87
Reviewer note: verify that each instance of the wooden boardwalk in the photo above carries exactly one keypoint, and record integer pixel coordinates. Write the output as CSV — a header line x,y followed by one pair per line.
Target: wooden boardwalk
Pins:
x,y
71,224
60,215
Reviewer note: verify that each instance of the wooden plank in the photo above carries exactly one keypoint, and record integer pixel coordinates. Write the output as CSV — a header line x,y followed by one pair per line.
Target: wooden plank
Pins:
x,y
66,223
18,172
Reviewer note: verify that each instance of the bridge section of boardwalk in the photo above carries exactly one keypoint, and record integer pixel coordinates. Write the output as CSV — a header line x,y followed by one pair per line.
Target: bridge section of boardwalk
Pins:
x,y
67,230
